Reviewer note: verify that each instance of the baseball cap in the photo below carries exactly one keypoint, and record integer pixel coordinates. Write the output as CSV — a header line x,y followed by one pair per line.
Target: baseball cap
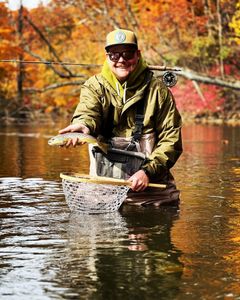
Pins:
x,y
121,37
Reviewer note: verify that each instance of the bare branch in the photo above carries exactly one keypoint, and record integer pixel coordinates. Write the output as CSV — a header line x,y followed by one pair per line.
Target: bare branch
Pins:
x,y
220,37
51,66
199,91
52,87
235,85
50,47
159,54
112,20
131,15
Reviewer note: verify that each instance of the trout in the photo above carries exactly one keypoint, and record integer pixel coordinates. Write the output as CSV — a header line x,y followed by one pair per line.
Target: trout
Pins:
x,y
62,139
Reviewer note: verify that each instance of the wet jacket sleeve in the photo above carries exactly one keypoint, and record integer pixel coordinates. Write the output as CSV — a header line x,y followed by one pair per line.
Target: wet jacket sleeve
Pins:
x,y
168,134
89,109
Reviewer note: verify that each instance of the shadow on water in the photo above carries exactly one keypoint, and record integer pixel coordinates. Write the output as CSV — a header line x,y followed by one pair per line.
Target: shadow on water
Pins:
x,y
136,253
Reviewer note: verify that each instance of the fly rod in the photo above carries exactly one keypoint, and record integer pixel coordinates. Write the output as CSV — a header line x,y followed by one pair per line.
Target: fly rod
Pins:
x,y
156,68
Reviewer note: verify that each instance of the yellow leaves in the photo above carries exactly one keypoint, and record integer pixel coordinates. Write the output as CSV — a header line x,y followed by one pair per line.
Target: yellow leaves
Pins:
x,y
236,171
61,101
236,239
235,24
49,109
8,87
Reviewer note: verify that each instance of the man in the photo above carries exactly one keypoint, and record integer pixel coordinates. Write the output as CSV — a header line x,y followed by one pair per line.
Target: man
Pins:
x,y
109,101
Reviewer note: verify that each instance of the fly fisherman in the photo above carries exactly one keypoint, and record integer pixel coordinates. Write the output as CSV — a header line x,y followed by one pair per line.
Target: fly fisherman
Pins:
x,y
135,112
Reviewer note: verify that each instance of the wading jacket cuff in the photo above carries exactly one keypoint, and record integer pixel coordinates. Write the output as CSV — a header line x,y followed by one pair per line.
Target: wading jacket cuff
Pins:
x,y
146,171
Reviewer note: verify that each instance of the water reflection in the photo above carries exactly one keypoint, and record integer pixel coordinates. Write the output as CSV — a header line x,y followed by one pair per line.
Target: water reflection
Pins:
x,y
48,253
24,152
87,237
119,255
31,213
208,211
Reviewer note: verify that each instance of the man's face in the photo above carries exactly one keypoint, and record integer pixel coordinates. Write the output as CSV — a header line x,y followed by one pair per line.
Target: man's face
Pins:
x,y
122,60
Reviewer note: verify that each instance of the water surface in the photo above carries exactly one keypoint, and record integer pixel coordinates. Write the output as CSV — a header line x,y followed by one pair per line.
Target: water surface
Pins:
x,y
136,253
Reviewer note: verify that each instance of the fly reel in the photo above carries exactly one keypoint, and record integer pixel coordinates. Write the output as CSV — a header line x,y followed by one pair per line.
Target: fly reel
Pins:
x,y
169,79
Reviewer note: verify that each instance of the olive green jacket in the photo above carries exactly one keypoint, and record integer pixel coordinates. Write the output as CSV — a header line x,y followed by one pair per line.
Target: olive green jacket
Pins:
x,y
103,109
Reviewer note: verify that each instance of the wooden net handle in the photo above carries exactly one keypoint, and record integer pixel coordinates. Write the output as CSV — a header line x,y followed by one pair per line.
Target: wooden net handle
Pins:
x,y
76,177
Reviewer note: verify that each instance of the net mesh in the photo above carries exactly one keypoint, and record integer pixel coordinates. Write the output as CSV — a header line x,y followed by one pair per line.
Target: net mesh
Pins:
x,y
93,197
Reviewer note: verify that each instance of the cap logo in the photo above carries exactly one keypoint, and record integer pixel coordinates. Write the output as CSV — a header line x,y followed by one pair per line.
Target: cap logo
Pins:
x,y
120,37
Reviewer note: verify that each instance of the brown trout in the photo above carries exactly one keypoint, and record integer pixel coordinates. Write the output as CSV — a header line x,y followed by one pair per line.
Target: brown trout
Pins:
x,y
62,139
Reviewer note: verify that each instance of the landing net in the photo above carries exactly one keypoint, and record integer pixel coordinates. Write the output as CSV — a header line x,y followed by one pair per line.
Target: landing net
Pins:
x,y
93,194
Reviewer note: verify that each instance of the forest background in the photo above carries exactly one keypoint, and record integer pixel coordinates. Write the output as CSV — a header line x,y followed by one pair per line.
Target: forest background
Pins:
x,y
202,37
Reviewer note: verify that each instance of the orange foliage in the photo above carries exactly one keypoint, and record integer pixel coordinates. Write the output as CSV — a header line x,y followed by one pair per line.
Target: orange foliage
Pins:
x,y
74,31
6,46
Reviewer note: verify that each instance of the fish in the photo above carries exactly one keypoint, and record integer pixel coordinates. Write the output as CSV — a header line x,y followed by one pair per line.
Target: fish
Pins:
x,y
62,139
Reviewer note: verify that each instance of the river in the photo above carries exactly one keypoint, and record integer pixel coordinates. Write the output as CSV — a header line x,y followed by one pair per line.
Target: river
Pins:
x,y
46,252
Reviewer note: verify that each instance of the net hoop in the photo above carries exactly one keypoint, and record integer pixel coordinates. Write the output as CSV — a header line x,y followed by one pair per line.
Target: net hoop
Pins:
x,y
76,177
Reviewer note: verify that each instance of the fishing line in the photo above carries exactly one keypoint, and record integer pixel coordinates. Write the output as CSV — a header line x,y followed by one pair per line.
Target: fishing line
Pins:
x,y
157,68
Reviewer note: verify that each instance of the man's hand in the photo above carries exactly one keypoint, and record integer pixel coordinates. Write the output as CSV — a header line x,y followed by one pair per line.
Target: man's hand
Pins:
x,y
139,181
74,128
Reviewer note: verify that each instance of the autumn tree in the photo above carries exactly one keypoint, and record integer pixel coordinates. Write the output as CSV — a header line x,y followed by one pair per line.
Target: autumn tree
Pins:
x,y
197,35
7,46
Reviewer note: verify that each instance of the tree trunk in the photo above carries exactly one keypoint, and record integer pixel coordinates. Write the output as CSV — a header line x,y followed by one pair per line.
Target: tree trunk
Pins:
x,y
20,73
220,38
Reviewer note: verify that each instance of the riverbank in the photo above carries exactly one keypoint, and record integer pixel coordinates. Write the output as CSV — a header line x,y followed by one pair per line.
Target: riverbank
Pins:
x,y
230,119
26,116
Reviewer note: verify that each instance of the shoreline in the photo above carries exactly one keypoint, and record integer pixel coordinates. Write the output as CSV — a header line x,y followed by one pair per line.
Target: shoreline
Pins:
x,y
42,118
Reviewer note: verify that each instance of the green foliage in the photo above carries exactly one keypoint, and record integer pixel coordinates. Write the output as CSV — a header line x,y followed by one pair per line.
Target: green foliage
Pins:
x,y
204,48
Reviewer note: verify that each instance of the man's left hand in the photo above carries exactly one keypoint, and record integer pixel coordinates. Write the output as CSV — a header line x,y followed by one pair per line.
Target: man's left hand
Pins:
x,y
139,181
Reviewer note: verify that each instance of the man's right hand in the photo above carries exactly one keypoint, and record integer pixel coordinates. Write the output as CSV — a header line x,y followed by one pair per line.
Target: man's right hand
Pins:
x,y
74,128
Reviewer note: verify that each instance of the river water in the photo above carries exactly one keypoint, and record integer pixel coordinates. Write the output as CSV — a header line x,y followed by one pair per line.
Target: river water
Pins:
x,y
46,252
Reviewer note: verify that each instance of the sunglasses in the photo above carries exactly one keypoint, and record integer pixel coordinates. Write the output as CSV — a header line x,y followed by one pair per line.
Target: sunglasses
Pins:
x,y
126,55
